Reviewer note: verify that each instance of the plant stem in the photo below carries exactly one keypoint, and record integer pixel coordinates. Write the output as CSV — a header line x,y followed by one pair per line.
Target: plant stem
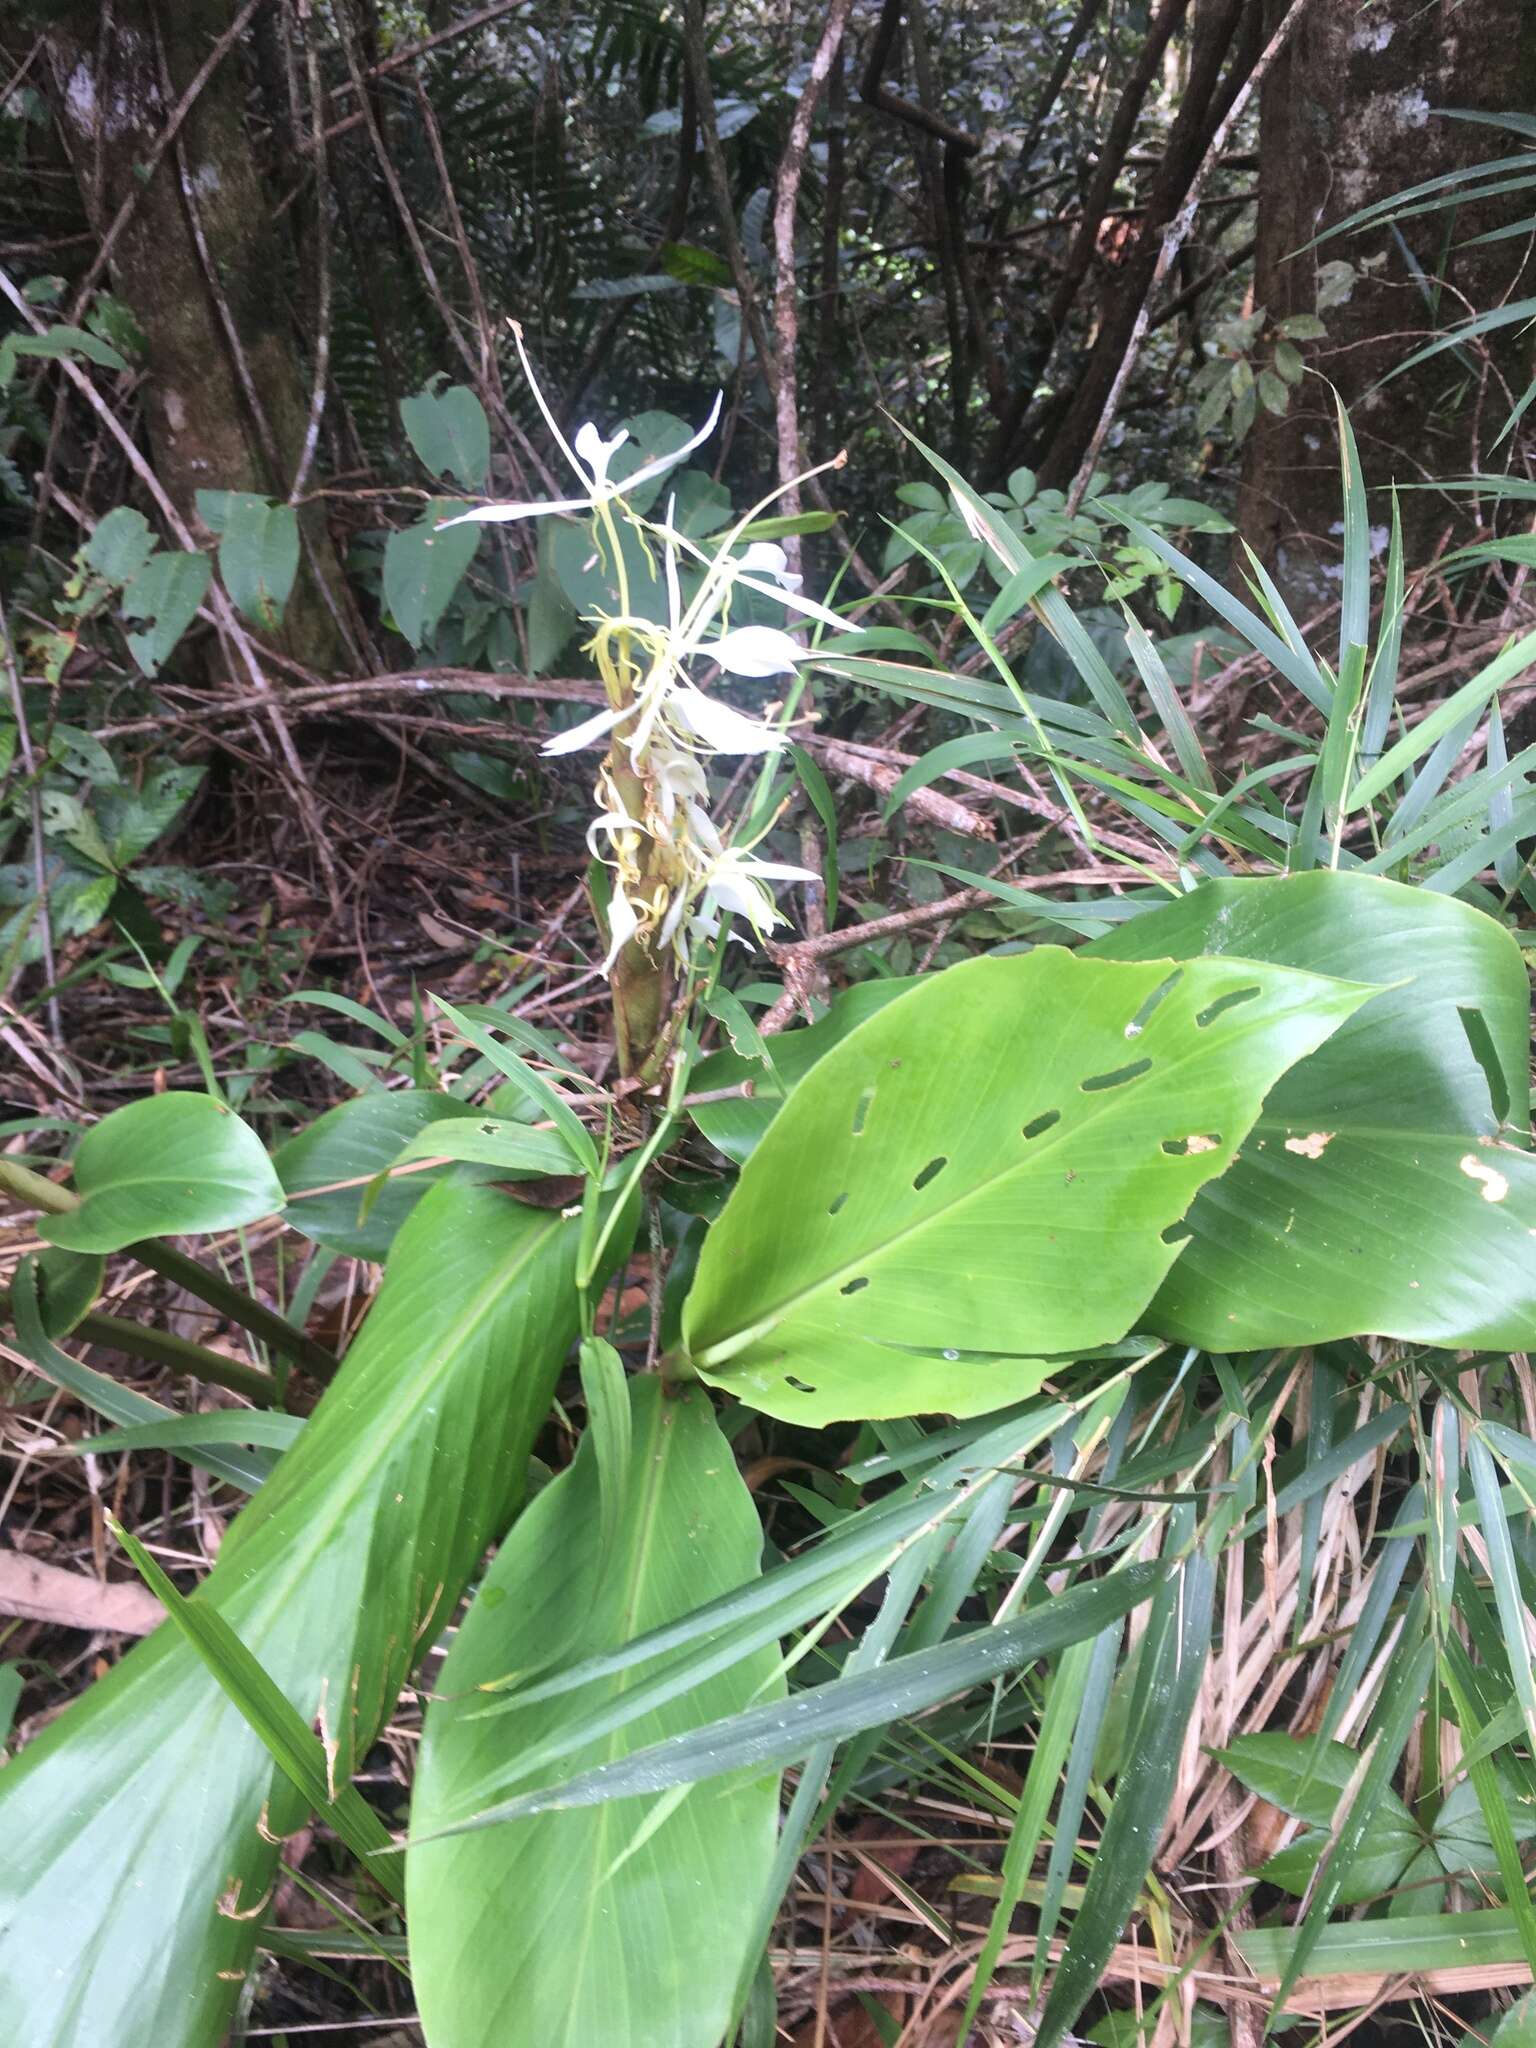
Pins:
x,y
186,1272
161,1347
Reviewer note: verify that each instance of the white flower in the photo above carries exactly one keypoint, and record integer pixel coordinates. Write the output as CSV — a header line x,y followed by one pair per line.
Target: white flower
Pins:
x,y
590,457
754,651
734,881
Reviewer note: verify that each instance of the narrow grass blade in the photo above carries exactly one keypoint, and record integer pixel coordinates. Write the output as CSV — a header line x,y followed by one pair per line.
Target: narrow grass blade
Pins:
x,y
296,1749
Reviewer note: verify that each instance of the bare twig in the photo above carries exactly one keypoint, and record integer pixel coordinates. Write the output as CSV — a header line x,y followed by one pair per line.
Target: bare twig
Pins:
x,y
224,612
1174,237
146,170
786,313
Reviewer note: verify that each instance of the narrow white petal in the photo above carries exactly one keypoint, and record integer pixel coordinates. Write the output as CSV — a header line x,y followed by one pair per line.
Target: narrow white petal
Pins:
x,y
495,515
755,651
663,463
582,735
792,600
719,726
778,870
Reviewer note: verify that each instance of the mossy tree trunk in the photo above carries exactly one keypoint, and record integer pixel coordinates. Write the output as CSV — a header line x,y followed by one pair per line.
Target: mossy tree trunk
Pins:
x,y
1349,116
225,397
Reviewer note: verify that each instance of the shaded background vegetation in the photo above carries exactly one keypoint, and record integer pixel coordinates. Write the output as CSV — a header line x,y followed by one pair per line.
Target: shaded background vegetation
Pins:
x,y
1073,248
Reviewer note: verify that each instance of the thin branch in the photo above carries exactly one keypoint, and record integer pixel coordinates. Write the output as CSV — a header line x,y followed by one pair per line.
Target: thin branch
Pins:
x,y
786,316
1174,237
146,170
229,625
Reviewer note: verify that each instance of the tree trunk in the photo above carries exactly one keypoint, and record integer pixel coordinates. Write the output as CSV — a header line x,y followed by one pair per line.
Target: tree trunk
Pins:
x,y
225,403
1347,118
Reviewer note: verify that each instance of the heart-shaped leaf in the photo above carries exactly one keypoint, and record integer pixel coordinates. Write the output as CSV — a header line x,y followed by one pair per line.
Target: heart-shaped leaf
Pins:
x,y
1379,1192
168,1166
988,1167
424,567
613,1918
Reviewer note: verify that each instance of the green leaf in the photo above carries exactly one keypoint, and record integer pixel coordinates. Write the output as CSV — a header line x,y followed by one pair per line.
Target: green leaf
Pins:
x,y
258,554
691,265
735,1126
168,1166
133,1857
58,343
109,1397
1168,1674
294,1746
1375,1193
608,1944
988,1167
450,433
494,1141
343,1152
167,592
1307,1778
531,1084
424,567
120,546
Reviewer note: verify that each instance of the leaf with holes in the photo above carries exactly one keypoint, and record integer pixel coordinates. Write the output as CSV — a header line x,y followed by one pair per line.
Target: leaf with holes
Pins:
x,y
1380,1192
989,1171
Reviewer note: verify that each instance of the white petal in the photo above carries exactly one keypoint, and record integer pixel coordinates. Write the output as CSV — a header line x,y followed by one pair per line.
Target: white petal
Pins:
x,y
755,651
495,515
807,606
663,463
582,735
767,558
746,899
719,726
779,870
597,453
623,923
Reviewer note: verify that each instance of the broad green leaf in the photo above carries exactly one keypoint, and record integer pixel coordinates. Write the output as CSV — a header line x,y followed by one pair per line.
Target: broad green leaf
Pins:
x,y
423,567
130,1825
68,1286
982,1175
293,1744
258,556
1307,1778
120,546
1517,2029
344,1151
1376,1192
1460,1834
167,1166
167,592
734,1125
450,433
606,1944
